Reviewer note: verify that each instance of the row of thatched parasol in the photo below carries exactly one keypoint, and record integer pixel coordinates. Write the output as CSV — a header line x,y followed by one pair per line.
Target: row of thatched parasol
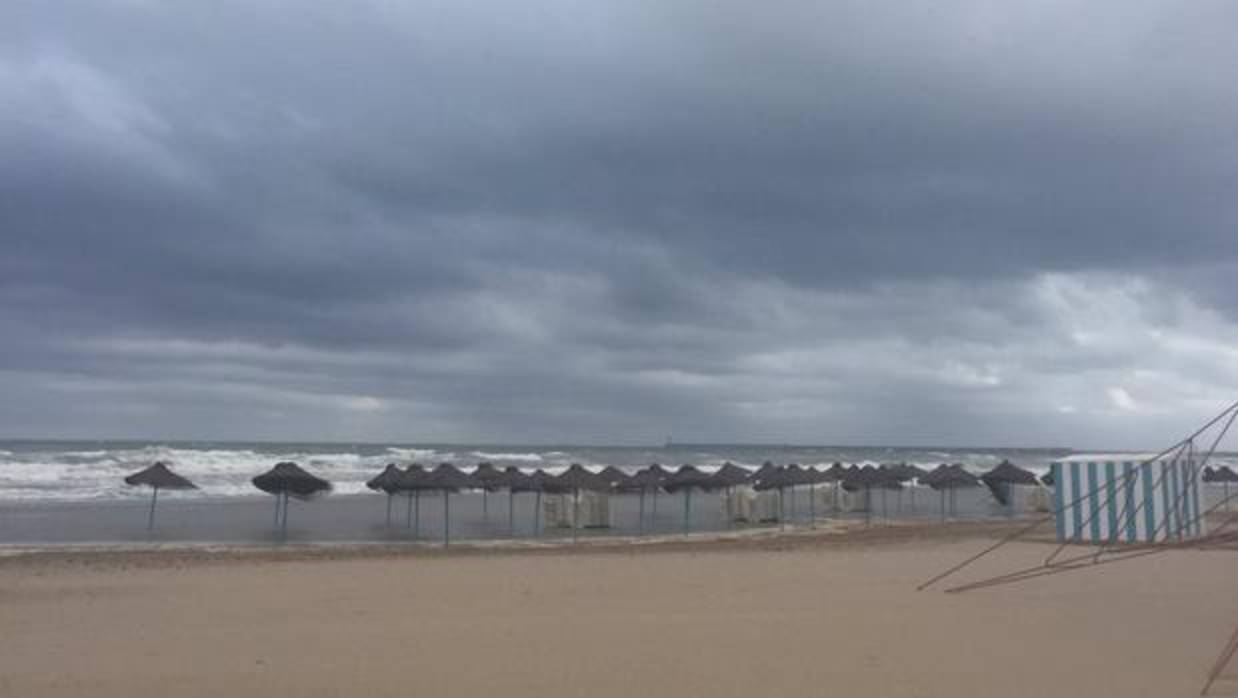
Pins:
x,y
288,480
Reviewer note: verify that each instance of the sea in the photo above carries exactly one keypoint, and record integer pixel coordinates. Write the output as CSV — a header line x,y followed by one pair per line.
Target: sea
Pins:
x,y
70,471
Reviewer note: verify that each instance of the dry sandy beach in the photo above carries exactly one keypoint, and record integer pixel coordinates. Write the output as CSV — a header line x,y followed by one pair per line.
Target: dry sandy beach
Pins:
x,y
808,615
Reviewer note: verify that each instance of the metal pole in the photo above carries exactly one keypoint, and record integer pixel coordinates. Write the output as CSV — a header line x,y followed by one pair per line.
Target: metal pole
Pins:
x,y
836,485
150,519
408,512
511,514
283,524
868,505
416,514
942,492
390,496
277,497
485,505
446,517
885,511
575,512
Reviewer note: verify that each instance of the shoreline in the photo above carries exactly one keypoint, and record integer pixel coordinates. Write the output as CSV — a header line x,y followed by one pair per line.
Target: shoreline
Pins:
x,y
827,536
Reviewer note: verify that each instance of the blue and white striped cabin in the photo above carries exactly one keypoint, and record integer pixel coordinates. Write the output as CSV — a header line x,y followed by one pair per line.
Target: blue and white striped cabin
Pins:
x,y
1098,496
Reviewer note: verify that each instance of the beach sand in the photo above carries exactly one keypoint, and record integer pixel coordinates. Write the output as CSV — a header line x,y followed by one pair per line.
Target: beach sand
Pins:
x,y
808,614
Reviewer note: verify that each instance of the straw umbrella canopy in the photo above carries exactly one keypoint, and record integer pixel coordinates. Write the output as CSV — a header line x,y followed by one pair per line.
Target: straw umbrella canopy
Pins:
x,y
946,479
731,475
158,476
685,479
575,479
645,480
388,481
1000,479
287,479
614,476
447,478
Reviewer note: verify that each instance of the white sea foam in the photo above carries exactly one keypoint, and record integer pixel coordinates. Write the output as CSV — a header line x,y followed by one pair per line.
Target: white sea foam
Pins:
x,y
521,457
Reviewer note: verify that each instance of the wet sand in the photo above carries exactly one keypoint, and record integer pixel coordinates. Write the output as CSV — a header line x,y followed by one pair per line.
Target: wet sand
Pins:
x,y
814,613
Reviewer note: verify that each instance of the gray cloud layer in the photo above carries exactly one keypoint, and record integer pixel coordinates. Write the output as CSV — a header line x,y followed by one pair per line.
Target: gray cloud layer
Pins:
x,y
930,223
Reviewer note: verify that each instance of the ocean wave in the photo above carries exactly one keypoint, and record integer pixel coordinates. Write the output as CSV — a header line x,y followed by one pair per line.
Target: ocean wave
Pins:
x,y
522,457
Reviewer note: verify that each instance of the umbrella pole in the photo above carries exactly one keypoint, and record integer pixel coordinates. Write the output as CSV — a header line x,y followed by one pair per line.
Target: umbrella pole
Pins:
x,y
537,513
782,519
283,520
416,514
640,516
485,505
942,492
687,509
389,497
655,505
511,514
446,517
575,513
835,486
150,518
277,499
868,505
1227,495
812,505
408,512
730,507
885,511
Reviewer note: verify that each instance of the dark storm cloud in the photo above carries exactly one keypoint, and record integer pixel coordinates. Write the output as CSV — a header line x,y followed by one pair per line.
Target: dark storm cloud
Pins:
x,y
548,221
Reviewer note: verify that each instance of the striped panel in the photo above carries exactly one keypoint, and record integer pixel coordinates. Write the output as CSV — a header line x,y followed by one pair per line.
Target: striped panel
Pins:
x,y
1110,501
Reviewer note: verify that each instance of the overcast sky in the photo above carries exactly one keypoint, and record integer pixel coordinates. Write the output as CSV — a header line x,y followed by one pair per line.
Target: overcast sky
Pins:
x,y
605,222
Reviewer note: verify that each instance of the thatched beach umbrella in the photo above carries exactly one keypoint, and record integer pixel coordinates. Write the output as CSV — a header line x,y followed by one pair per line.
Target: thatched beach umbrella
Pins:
x,y
867,479
287,479
1000,479
645,480
447,478
413,481
388,481
1224,475
664,474
771,477
540,481
907,474
515,480
834,474
686,479
158,476
728,477
946,479
487,479
575,479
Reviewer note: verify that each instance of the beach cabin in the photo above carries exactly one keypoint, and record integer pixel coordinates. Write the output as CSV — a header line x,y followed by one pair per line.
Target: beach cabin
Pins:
x,y
1126,498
